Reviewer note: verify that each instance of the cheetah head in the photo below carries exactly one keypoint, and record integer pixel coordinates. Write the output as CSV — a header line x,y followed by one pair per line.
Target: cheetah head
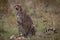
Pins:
x,y
18,7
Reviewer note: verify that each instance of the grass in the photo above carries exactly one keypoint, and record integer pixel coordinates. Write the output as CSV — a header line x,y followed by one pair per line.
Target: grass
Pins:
x,y
9,32
41,19
10,27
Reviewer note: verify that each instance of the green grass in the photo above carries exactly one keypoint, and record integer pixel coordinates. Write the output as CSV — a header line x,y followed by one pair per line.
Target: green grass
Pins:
x,y
9,32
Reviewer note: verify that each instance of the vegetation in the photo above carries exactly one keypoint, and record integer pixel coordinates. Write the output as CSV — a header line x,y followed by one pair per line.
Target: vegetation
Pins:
x,y
42,12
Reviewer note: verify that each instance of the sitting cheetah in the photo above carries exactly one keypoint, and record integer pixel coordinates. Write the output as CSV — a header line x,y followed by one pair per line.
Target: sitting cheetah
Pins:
x,y
25,24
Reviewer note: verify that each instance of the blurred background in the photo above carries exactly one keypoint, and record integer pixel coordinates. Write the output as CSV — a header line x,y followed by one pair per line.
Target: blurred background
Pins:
x,y
44,13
